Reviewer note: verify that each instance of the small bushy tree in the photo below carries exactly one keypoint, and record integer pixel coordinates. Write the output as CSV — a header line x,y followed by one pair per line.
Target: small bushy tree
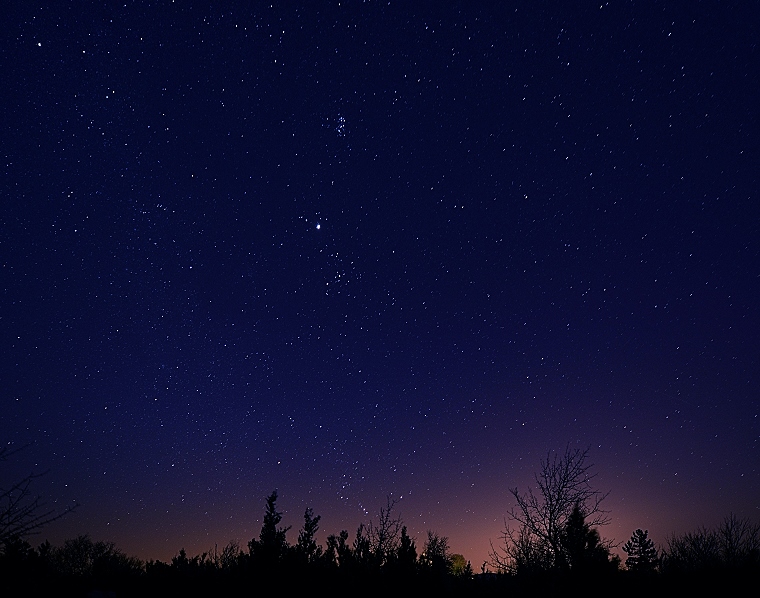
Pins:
x,y
460,566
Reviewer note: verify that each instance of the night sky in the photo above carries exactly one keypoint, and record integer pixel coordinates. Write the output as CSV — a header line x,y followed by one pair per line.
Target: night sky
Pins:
x,y
350,250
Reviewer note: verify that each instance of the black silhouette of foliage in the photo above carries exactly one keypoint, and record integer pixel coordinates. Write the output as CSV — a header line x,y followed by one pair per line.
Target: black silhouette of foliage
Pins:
x,y
739,541
436,555
307,547
231,556
338,552
362,554
23,513
406,557
82,557
735,544
272,544
532,539
583,549
723,560
641,551
385,535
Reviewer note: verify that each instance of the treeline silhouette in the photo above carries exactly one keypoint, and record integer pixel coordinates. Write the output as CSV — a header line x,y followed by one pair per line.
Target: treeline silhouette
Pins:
x,y
381,556
550,546
381,553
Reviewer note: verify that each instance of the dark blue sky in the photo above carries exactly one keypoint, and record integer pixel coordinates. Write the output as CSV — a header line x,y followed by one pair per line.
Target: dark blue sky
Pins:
x,y
348,250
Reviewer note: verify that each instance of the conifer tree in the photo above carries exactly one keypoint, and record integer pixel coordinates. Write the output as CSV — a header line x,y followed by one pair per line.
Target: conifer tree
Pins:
x,y
407,552
272,544
307,546
642,554
583,548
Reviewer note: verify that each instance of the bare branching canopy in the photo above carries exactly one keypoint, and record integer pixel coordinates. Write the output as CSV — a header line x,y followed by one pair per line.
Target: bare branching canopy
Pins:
x,y
23,513
532,538
385,535
734,544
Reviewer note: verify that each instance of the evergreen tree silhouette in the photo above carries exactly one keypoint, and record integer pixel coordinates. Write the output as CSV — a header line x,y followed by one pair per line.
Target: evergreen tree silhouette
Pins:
x,y
642,554
268,551
307,548
583,549
407,553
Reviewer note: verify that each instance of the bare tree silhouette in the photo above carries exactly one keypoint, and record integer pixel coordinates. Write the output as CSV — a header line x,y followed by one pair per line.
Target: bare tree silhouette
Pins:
x,y
23,513
534,540
385,535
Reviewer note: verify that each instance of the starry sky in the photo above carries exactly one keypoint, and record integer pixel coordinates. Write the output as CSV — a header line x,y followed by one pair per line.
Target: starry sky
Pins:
x,y
353,250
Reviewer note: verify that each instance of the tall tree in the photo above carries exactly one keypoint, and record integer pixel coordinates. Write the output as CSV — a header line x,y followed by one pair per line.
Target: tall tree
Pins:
x,y
272,544
384,536
406,557
307,546
532,538
583,548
